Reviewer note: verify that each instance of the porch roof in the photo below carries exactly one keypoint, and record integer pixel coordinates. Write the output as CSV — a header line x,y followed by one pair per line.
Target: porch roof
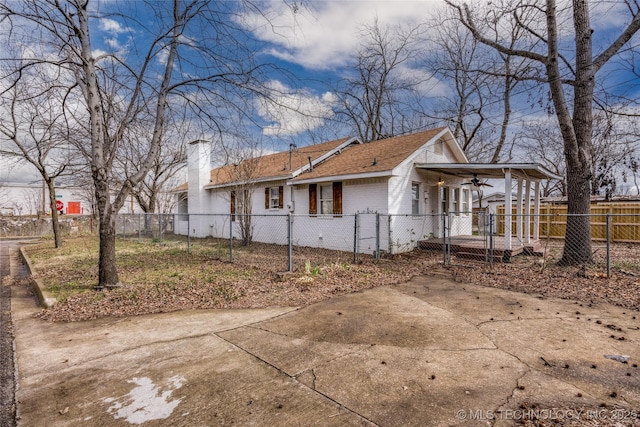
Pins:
x,y
490,170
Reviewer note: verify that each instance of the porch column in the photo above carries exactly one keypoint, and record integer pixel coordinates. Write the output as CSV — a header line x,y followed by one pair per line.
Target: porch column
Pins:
x,y
519,212
536,211
527,211
507,210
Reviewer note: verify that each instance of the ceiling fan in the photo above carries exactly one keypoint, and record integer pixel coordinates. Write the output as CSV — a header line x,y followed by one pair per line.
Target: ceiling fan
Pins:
x,y
476,182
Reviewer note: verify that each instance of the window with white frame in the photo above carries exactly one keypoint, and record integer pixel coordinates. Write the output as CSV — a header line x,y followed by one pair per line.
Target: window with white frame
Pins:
x,y
274,197
326,199
415,198
455,201
465,200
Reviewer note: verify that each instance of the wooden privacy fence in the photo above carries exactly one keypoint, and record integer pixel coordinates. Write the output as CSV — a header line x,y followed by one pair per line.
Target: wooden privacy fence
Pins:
x,y
624,221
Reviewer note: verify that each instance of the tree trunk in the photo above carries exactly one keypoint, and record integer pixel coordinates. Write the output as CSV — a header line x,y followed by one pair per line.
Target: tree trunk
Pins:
x,y
55,224
577,244
107,271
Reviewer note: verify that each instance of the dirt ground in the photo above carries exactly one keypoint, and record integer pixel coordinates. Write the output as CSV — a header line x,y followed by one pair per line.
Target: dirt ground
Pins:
x,y
164,278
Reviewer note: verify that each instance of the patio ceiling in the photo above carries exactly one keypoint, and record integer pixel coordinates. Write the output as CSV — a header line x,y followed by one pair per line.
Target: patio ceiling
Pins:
x,y
531,171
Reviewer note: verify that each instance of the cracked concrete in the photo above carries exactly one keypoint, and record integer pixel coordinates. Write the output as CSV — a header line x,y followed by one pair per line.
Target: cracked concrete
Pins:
x,y
427,352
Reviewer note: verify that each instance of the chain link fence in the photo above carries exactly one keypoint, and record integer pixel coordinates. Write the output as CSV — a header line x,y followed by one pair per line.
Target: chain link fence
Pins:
x,y
613,244
301,242
33,226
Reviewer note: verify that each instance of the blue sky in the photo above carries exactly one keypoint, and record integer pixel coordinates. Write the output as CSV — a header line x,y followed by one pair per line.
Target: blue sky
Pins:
x,y
316,41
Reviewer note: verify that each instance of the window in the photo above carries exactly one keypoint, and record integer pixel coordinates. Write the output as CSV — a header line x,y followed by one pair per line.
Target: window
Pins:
x,y
239,204
415,199
273,197
456,201
465,200
328,197
183,207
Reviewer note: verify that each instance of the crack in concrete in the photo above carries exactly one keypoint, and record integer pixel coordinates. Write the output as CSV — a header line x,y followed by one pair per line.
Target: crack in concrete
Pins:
x,y
313,382
251,324
295,379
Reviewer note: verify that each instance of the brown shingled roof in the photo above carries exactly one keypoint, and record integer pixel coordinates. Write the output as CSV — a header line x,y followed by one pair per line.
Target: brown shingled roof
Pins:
x,y
377,156
274,165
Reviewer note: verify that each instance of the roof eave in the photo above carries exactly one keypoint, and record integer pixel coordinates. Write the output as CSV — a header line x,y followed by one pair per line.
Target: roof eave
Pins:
x,y
346,177
253,181
534,170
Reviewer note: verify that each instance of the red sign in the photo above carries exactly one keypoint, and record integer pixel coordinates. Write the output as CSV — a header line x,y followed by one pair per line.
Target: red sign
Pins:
x,y
59,205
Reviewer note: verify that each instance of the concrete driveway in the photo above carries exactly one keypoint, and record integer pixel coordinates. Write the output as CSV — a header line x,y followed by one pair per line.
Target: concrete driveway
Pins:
x,y
429,352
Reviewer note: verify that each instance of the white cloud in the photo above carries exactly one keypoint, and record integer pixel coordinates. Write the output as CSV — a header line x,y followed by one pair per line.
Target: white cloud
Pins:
x,y
112,43
291,112
111,26
322,35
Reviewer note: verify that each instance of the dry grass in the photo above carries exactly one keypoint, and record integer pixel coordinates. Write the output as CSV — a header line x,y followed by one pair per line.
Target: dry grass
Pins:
x,y
543,276
161,277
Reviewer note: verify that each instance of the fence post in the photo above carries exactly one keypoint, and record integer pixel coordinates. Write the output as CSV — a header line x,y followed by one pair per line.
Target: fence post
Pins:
x,y
491,221
390,244
160,226
608,235
139,230
444,238
124,226
377,235
189,233
355,238
290,239
230,238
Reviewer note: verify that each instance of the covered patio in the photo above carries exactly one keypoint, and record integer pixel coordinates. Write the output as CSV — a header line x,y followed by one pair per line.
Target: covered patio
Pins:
x,y
522,225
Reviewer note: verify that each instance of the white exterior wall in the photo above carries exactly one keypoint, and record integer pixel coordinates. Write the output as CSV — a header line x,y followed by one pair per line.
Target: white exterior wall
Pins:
x,y
368,196
29,199
406,229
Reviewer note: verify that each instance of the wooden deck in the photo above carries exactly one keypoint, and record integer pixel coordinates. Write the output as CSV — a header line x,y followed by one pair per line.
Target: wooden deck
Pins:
x,y
478,247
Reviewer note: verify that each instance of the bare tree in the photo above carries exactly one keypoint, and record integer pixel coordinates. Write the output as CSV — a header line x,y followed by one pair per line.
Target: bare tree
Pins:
x,y
611,154
169,160
187,54
457,61
569,76
541,140
373,100
482,83
243,170
32,200
33,132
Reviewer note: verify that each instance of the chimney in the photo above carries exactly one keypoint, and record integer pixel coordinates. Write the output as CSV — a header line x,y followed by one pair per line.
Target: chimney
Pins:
x,y
199,173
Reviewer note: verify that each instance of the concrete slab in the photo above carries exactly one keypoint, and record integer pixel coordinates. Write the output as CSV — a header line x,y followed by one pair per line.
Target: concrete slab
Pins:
x,y
427,352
